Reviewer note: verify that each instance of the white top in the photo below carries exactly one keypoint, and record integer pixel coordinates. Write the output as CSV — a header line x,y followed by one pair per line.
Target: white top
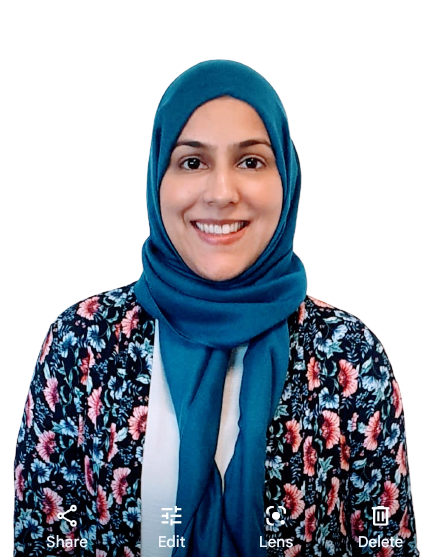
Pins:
x,y
161,450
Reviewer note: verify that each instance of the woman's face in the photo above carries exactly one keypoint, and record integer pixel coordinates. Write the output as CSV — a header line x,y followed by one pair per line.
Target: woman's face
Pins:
x,y
221,196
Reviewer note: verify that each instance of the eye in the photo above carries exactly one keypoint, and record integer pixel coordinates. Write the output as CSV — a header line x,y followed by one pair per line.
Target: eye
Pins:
x,y
192,163
252,163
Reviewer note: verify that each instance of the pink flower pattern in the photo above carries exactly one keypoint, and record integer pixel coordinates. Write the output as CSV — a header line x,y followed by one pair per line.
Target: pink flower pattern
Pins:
x,y
89,307
46,445
130,322
51,393
102,506
137,422
293,500
389,497
51,505
372,432
309,457
113,449
45,350
120,484
330,428
292,435
95,404
333,494
29,410
19,482
348,378
313,372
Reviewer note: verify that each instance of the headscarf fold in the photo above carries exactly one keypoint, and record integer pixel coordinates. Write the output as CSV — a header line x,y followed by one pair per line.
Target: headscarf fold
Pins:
x,y
200,321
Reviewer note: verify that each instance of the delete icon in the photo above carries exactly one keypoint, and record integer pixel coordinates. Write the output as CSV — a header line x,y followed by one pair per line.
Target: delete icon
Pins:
x,y
380,516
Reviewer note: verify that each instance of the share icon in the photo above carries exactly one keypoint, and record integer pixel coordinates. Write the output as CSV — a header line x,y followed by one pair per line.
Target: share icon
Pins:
x,y
61,516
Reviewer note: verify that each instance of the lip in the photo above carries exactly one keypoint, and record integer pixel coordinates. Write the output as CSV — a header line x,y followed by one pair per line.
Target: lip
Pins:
x,y
219,222
220,239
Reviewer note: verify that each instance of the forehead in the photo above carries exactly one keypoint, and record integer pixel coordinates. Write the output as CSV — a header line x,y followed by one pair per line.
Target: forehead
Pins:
x,y
224,118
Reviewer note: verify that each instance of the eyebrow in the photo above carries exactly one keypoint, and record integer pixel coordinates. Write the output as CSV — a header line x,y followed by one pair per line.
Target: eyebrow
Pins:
x,y
241,145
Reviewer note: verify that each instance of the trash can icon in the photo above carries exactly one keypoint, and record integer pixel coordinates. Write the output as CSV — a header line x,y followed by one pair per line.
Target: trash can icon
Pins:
x,y
380,516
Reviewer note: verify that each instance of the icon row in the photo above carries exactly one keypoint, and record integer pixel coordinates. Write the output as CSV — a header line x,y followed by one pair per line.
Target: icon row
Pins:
x,y
172,515
274,514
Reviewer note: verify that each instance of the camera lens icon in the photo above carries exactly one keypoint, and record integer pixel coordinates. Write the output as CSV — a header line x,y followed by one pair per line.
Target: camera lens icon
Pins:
x,y
275,514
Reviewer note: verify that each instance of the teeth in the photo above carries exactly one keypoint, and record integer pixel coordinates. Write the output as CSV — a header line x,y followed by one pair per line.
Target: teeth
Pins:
x,y
217,229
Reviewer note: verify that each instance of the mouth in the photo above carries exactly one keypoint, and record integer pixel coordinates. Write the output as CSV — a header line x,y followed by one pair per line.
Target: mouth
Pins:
x,y
223,228
220,233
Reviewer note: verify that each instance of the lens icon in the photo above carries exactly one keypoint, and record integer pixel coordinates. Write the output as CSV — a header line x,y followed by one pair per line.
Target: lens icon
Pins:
x,y
275,515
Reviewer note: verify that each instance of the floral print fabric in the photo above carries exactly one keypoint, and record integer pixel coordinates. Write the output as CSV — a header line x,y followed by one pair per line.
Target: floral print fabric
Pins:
x,y
335,449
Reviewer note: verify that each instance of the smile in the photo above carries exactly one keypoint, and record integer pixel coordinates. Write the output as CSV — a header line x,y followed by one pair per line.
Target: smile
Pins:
x,y
218,229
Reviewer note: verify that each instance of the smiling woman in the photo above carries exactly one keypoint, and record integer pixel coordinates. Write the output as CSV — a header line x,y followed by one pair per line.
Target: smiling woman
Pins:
x,y
213,408
221,196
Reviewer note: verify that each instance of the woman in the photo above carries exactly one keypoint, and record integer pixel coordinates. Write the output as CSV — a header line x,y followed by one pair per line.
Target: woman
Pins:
x,y
212,407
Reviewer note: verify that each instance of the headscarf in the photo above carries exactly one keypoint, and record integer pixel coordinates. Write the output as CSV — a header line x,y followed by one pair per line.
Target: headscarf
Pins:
x,y
201,320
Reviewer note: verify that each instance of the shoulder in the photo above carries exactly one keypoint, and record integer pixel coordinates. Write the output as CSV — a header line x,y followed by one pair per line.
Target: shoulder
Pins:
x,y
97,322
338,346
325,324
340,369
111,306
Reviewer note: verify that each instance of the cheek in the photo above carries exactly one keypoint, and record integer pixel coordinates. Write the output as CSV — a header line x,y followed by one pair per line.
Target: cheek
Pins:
x,y
175,197
168,206
270,200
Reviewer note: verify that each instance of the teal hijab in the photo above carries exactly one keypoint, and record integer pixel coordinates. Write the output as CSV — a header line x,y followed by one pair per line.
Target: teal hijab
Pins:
x,y
200,321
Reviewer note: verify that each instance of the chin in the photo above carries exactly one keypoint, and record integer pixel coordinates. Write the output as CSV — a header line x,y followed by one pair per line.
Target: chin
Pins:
x,y
219,275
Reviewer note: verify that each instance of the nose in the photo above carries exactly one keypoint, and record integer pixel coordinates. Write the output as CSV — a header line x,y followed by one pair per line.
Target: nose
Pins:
x,y
221,187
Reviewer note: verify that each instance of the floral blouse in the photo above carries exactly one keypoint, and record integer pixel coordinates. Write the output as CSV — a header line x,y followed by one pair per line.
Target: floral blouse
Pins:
x,y
336,471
